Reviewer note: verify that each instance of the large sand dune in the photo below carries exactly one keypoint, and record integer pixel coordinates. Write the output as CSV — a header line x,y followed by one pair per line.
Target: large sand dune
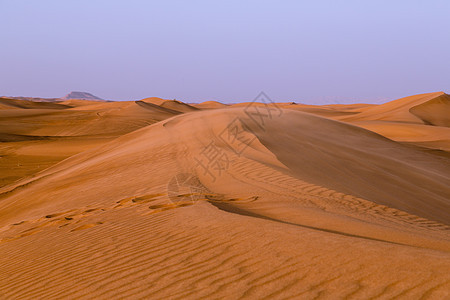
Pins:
x,y
252,201
36,135
435,111
397,110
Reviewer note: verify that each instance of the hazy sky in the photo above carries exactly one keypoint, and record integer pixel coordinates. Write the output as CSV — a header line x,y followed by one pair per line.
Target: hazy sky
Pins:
x,y
305,51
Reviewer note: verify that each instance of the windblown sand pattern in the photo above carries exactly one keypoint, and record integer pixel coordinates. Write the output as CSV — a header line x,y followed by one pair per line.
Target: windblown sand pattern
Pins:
x,y
158,199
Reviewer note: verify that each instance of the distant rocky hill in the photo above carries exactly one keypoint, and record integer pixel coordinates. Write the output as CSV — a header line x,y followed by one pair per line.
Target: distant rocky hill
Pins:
x,y
80,95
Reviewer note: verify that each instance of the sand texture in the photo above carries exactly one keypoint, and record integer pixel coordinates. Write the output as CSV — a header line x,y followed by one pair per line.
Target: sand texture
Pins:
x,y
159,199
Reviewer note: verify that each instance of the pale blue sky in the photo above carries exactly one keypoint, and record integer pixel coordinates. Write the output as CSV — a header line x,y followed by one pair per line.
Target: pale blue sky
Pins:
x,y
305,51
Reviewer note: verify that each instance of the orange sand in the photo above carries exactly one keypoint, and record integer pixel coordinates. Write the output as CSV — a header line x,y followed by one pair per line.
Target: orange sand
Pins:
x,y
164,200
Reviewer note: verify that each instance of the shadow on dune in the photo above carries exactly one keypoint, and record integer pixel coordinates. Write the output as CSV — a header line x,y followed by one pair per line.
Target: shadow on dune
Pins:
x,y
355,161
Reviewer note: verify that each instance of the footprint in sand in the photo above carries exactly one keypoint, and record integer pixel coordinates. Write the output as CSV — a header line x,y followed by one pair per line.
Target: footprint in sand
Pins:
x,y
86,226
185,187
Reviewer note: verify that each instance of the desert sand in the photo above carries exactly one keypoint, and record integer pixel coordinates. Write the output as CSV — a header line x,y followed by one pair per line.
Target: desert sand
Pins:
x,y
160,199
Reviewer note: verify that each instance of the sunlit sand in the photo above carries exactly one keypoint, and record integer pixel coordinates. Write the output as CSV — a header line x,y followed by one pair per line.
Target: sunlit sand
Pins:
x,y
169,200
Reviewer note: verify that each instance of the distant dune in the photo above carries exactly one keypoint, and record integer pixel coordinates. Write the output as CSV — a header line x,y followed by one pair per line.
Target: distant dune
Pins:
x,y
435,111
161,199
397,110
170,104
210,105
6,103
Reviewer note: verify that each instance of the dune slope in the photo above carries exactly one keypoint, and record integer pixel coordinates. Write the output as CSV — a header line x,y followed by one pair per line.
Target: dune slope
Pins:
x,y
230,203
36,135
397,110
434,112
420,121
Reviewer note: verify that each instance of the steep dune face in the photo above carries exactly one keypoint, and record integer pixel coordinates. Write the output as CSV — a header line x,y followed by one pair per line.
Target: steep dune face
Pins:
x,y
419,121
434,112
173,105
397,110
178,106
429,137
358,162
231,203
329,111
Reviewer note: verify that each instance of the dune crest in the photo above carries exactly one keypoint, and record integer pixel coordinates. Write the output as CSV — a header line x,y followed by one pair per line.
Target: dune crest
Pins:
x,y
397,110
434,112
235,202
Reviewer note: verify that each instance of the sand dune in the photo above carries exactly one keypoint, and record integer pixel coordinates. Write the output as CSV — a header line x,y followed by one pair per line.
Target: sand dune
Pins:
x,y
252,201
37,135
398,110
429,137
406,120
14,103
434,112
210,105
170,104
